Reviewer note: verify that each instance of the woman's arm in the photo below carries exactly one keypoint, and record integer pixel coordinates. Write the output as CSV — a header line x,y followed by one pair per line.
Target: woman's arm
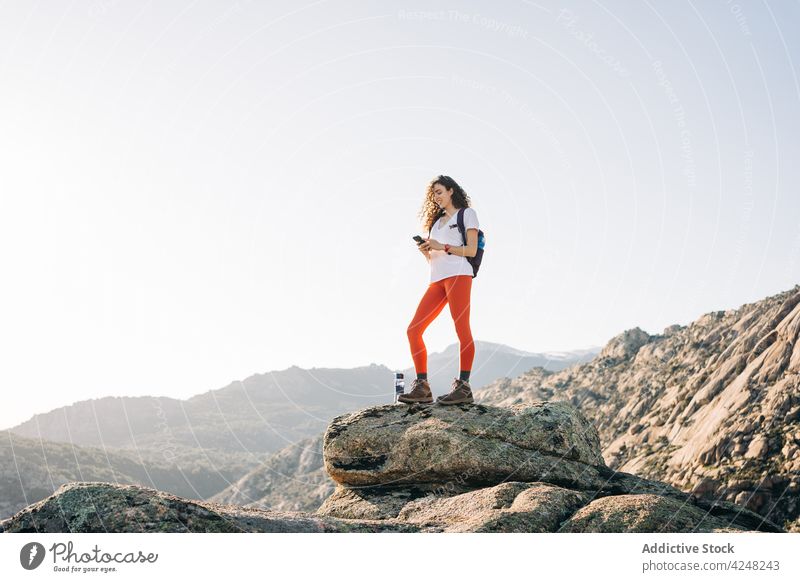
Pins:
x,y
472,245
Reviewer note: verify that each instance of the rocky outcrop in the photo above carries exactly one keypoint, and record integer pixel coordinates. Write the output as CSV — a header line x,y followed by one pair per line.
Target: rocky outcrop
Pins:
x,y
393,444
624,346
477,468
712,408
94,507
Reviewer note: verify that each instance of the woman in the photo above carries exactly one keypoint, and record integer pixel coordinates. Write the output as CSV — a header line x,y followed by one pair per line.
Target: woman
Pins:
x,y
451,283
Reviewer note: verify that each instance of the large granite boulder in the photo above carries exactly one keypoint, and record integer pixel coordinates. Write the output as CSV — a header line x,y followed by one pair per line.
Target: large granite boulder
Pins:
x,y
394,444
473,445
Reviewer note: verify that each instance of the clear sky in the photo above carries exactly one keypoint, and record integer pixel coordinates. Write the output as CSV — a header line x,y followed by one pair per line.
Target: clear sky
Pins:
x,y
195,191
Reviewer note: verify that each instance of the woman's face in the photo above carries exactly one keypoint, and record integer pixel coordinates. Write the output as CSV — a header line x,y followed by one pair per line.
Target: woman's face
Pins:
x,y
442,195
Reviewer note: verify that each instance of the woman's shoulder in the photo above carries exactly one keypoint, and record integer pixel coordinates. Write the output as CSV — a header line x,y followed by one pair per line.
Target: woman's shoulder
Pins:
x,y
469,211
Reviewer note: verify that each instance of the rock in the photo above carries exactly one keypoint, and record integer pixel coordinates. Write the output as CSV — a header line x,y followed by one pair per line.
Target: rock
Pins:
x,y
475,444
380,502
509,507
758,448
96,507
705,485
625,345
644,514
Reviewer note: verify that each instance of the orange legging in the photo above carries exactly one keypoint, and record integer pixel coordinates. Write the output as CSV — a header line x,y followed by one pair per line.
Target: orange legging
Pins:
x,y
455,291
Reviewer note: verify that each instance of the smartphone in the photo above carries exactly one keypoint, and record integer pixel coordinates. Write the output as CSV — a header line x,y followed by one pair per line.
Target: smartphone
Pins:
x,y
419,239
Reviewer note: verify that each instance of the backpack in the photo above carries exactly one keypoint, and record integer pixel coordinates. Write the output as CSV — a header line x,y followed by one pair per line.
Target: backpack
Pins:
x,y
476,260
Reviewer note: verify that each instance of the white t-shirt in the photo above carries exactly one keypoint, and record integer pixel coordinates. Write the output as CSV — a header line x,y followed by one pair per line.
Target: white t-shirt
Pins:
x,y
442,264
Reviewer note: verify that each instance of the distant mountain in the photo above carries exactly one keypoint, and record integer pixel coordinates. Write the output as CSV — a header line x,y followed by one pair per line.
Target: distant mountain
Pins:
x,y
264,412
32,469
494,361
712,407
260,414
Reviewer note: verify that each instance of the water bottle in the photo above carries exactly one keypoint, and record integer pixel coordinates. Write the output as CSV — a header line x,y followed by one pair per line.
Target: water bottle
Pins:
x,y
399,385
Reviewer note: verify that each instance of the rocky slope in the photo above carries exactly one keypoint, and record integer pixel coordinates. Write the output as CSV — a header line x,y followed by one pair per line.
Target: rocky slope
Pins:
x,y
712,407
294,479
461,468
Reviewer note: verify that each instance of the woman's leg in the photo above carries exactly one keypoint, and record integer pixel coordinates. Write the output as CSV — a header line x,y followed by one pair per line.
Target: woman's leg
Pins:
x,y
458,296
431,304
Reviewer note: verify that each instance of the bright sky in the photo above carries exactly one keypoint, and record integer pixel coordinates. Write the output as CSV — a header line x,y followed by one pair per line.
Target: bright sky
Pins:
x,y
194,192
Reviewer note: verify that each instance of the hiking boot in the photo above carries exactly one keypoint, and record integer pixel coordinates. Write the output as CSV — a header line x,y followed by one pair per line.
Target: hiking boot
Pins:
x,y
420,393
461,393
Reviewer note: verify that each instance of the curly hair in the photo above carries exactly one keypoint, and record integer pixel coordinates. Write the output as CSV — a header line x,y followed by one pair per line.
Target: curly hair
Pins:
x,y
431,212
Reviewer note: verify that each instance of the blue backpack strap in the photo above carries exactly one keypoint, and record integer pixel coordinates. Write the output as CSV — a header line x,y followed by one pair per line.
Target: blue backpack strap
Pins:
x,y
460,221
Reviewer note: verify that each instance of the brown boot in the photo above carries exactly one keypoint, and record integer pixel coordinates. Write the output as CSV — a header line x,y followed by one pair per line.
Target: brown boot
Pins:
x,y
461,393
420,393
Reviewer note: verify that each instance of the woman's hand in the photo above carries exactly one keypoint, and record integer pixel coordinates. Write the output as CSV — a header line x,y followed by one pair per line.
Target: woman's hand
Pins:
x,y
425,253
431,244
